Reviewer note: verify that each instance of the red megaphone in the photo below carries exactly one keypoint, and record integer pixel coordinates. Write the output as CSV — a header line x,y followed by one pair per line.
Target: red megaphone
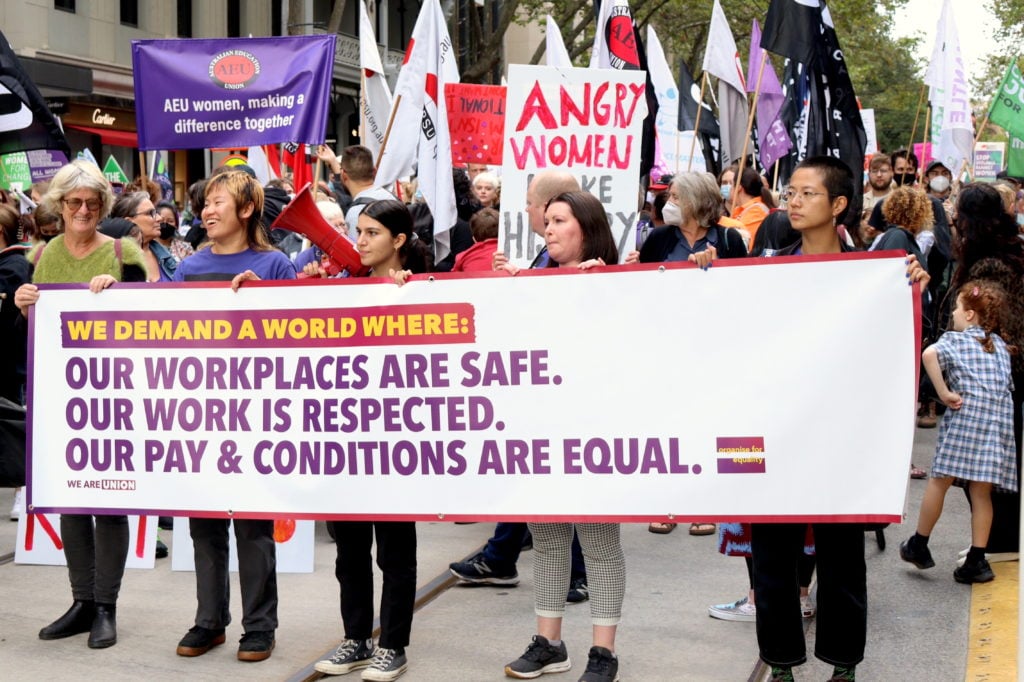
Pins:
x,y
303,217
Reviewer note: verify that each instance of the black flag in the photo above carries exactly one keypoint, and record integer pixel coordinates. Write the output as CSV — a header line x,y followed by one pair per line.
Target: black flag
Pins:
x,y
709,133
833,126
647,146
25,120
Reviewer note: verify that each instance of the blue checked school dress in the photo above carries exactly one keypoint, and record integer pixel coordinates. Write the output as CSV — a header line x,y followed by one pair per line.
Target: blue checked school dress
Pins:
x,y
976,442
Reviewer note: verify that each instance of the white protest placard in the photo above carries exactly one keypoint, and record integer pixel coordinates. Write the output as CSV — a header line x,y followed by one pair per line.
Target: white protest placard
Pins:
x,y
40,543
584,121
867,116
490,397
293,547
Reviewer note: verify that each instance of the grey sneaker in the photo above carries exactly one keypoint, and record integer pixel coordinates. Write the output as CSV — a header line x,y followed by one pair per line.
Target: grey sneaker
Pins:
x,y
387,664
602,666
740,610
351,654
479,572
539,658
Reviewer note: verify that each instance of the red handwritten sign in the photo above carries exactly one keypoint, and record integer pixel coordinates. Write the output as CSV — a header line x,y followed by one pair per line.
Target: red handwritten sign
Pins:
x,y
476,119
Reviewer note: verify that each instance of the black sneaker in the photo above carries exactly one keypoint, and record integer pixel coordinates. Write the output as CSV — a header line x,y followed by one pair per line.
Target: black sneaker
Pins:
x,y
387,664
602,666
919,556
256,645
198,640
578,591
351,654
980,572
540,657
161,549
479,572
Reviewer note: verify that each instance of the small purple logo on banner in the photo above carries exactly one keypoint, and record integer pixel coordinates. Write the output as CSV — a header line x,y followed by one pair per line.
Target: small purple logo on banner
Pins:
x,y
743,455
232,92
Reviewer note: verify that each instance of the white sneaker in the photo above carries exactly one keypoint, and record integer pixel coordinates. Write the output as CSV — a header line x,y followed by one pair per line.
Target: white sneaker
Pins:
x,y
807,607
19,503
740,610
993,558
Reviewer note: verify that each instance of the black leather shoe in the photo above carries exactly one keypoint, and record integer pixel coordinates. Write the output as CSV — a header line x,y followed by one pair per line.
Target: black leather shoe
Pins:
x,y
77,620
104,627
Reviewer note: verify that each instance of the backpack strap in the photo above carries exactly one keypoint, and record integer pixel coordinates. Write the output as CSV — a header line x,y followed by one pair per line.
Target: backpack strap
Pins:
x,y
39,254
119,254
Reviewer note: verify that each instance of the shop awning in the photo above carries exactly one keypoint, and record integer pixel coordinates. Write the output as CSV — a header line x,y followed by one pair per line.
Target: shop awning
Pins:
x,y
118,138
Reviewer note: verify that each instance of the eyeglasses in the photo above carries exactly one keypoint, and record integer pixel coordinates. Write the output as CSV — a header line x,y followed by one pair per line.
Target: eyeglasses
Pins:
x,y
881,171
151,213
74,204
791,194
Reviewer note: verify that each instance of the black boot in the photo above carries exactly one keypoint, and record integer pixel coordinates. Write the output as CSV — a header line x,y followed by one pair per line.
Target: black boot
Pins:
x,y
77,620
104,627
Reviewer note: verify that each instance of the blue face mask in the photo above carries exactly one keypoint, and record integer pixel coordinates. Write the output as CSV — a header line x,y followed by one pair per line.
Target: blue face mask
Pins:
x,y
1020,219
726,191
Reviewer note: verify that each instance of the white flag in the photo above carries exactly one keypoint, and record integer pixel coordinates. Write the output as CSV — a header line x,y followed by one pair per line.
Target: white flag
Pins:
x,y
722,60
376,100
952,132
419,133
673,145
614,41
556,53
260,165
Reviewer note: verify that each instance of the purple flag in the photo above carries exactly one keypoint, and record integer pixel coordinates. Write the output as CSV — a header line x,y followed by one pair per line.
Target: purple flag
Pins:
x,y
772,137
232,92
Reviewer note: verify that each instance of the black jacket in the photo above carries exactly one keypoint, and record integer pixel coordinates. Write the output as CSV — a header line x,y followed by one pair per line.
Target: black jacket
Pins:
x,y
662,240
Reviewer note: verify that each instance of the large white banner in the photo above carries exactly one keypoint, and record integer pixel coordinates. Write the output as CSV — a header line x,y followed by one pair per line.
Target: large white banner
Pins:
x,y
585,121
490,397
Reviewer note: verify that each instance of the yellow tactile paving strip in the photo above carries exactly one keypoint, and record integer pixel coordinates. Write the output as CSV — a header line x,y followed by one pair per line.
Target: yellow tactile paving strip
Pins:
x,y
992,635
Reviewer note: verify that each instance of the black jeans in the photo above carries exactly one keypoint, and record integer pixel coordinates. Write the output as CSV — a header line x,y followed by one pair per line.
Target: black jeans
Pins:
x,y
257,572
842,592
96,555
396,557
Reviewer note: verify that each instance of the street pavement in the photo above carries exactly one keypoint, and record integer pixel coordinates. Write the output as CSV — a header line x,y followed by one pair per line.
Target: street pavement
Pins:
x,y
917,627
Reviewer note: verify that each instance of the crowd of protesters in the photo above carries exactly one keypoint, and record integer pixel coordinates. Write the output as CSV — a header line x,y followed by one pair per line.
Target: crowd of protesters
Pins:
x,y
963,249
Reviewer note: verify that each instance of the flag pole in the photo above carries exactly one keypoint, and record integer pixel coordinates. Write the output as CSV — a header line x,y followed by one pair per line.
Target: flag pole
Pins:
x,y
387,131
981,128
362,107
775,177
750,125
917,116
696,123
924,140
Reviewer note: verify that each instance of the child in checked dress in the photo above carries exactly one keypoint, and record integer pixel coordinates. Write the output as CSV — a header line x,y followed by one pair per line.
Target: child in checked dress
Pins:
x,y
970,368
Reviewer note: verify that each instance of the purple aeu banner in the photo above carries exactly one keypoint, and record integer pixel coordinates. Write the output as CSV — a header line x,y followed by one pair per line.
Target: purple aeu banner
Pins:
x,y
232,92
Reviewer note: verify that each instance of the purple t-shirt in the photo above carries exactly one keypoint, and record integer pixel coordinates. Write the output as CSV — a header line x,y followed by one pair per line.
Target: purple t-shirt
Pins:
x,y
206,266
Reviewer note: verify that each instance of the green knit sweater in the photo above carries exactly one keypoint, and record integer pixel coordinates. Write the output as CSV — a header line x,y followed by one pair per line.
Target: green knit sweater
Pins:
x,y
56,265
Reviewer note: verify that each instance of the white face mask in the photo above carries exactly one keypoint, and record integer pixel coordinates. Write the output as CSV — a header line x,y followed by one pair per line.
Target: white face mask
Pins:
x,y
1020,219
672,214
940,183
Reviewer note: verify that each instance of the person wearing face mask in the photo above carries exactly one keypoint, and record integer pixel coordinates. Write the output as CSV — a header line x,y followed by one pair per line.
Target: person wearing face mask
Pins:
x,y
904,167
692,230
939,184
169,237
939,179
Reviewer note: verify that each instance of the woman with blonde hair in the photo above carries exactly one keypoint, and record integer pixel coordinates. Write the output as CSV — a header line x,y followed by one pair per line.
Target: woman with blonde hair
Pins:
x,y
95,547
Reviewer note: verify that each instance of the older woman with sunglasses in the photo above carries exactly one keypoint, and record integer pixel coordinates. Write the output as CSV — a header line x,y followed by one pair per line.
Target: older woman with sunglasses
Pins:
x,y
95,547
138,208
